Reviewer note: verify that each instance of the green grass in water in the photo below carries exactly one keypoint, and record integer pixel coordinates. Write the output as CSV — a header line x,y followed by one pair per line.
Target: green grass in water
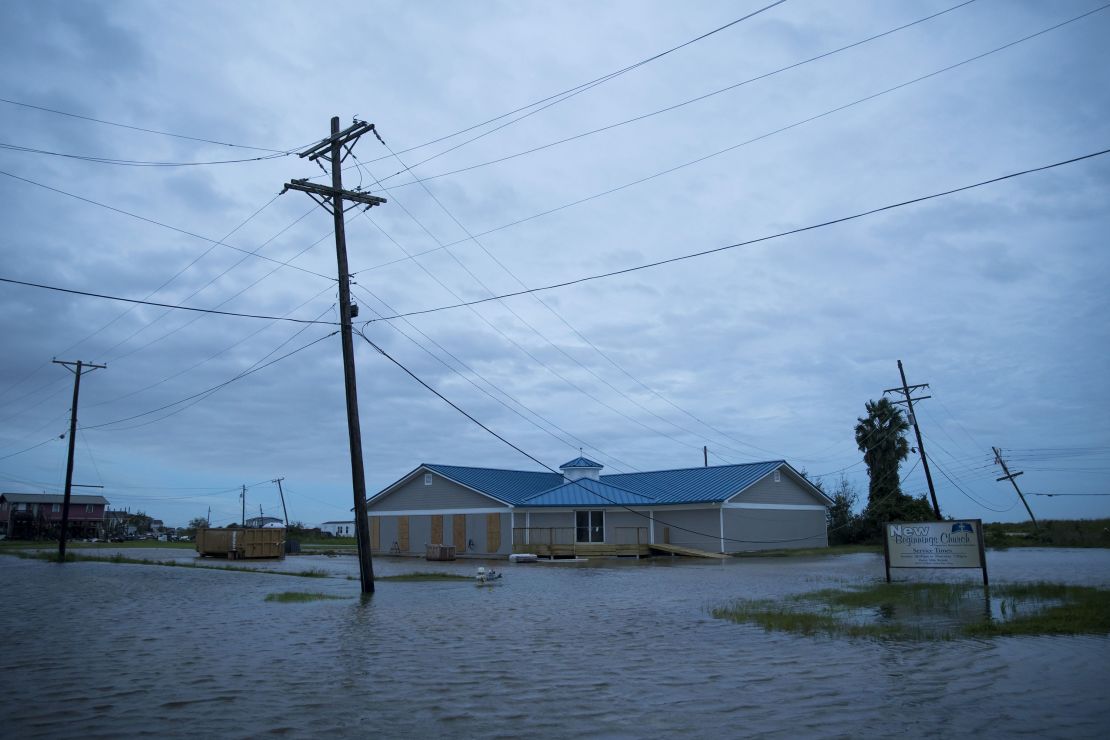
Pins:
x,y
931,611
300,597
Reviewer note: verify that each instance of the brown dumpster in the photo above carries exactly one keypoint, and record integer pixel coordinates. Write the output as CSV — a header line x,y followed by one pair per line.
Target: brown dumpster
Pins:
x,y
234,544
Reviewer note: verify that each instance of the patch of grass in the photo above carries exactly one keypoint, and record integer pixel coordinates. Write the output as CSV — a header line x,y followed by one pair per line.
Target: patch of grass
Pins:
x,y
1049,533
810,551
118,558
425,576
930,611
297,597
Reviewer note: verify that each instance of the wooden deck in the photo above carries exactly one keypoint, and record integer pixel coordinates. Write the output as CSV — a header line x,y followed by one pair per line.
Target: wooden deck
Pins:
x,y
598,550
687,551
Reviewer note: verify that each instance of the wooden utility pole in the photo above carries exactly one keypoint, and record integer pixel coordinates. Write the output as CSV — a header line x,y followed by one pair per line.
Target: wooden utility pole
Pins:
x,y
906,391
282,494
77,368
335,149
1010,477
243,501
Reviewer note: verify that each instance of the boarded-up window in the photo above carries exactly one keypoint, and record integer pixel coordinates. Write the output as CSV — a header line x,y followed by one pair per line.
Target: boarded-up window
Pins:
x,y
437,529
493,532
375,533
458,532
403,533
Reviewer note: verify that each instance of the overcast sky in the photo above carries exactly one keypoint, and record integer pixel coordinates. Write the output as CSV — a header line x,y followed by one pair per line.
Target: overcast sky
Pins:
x,y
995,297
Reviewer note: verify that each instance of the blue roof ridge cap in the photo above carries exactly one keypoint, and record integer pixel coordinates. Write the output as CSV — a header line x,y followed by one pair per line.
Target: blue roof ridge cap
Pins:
x,y
577,482
700,467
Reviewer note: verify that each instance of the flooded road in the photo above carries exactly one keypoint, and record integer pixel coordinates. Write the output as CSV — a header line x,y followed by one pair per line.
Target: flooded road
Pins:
x,y
598,649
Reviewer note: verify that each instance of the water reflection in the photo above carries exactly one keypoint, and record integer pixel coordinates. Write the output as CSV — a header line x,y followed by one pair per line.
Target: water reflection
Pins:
x,y
604,648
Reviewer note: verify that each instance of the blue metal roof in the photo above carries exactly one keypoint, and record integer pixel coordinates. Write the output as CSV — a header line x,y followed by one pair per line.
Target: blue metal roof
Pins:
x,y
510,486
654,488
587,492
581,462
694,485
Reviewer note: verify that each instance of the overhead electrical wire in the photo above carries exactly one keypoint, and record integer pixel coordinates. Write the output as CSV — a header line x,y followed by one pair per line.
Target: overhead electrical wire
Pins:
x,y
573,91
782,129
778,235
164,305
681,104
159,223
140,128
135,162
213,389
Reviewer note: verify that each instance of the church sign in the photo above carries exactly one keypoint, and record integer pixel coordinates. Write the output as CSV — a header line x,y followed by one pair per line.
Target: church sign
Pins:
x,y
947,544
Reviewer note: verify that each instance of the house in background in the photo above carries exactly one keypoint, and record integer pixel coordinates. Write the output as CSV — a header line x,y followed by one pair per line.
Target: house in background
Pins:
x,y
258,522
339,529
494,512
35,515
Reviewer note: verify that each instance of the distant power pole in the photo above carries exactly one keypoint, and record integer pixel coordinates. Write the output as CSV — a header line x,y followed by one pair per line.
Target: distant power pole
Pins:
x,y
209,517
77,368
907,391
243,500
705,455
1010,477
335,149
282,494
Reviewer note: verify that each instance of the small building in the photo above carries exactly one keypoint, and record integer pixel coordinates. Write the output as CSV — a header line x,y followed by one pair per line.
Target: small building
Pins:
x,y
494,512
36,515
339,528
258,522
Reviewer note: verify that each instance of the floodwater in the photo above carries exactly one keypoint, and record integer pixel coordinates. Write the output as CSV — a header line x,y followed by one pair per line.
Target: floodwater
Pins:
x,y
599,649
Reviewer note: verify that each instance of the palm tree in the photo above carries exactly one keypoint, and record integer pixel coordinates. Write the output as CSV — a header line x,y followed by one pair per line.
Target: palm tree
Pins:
x,y
880,436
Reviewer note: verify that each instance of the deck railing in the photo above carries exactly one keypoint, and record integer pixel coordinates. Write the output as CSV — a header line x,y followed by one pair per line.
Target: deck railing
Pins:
x,y
561,541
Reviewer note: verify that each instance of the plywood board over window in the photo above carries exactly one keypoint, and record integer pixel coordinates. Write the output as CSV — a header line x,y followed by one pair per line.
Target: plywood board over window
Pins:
x,y
403,533
493,532
375,533
458,532
437,529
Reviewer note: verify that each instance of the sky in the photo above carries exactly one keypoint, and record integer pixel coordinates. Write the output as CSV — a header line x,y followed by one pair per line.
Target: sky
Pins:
x,y
186,119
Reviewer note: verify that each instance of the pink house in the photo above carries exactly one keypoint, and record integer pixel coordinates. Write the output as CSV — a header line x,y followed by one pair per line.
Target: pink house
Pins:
x,y
33,515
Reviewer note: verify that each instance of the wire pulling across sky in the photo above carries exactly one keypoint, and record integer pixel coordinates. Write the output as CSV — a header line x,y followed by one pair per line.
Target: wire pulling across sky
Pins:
x,y
682,104
796,124
281,152
165,305
214,388
779,235
159,223
135,162
570,92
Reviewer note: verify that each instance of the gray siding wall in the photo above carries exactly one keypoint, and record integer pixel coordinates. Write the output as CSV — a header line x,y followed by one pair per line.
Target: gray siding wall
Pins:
x,y
770,529
442,494
705,522
788,491
627,522
547,519
420,532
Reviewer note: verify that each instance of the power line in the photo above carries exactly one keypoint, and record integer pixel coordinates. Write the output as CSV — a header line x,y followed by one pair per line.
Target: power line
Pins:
x,y
531,327
214,388
134,162
158,223
140,128
681,104
757,240
164,305
573,91
782,129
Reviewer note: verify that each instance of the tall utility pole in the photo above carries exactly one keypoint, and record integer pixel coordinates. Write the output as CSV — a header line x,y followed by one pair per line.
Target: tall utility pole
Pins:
x,y
243,500
335,149
282,494
1010,477
77,368
907,391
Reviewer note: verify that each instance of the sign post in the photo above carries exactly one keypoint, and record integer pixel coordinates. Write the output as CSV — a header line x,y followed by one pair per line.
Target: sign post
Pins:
x,y
946,544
